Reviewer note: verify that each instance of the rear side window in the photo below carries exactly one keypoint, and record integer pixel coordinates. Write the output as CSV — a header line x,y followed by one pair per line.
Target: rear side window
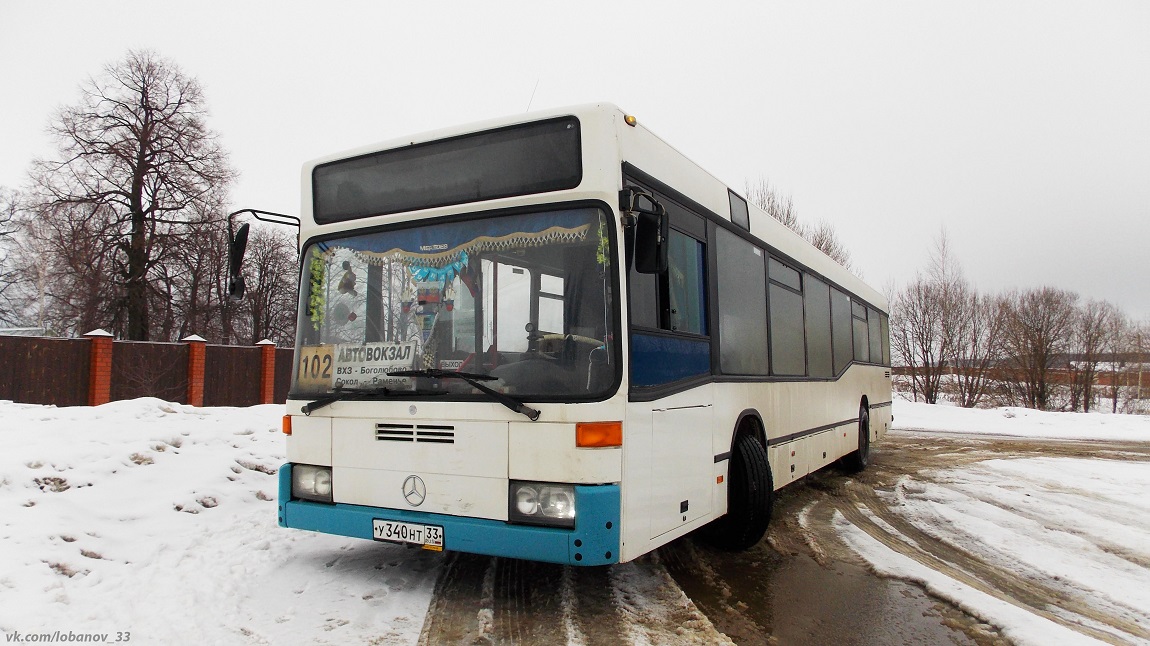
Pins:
x,y
861,332
817,300
742,306
873,330
788,350
841,327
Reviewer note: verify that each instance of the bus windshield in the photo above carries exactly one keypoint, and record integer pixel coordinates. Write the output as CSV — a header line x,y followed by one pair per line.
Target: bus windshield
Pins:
x,y
524,299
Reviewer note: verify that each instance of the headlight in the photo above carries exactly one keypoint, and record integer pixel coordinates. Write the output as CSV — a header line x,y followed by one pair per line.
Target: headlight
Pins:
x,y
311,483
541,503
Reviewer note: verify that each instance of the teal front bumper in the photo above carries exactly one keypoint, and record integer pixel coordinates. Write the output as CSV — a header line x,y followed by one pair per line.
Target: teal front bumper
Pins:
x,y
593,541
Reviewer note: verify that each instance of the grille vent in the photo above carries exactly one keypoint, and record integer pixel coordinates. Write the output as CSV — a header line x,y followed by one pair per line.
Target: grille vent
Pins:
x,y
424,433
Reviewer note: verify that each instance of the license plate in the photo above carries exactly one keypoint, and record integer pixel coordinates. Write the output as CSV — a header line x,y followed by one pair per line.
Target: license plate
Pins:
x,y
429,537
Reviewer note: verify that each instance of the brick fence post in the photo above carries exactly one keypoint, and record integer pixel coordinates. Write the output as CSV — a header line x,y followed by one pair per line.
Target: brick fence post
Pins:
x,y
197,350
267,371
99,367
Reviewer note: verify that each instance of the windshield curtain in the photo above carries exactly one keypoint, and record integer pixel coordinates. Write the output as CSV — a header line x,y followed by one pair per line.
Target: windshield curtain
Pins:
x,y
524,298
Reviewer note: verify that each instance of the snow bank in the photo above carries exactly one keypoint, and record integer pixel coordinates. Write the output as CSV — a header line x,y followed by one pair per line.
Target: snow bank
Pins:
x,y
1019,422
159,519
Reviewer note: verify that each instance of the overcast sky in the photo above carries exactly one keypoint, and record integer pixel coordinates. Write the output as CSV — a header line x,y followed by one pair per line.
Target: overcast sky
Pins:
x,y
1023,128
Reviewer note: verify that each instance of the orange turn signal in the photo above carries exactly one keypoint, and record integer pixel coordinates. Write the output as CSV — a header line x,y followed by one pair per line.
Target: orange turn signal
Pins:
x,y
598,434
287,425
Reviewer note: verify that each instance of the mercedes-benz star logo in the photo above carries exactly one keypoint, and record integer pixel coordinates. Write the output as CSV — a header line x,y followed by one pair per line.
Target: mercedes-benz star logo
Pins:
x,y
414,491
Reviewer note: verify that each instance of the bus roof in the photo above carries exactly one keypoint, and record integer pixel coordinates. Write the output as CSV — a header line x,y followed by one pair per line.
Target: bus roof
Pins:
x,y
644,149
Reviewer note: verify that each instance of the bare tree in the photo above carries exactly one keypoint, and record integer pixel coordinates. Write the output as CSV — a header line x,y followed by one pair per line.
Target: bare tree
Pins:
x,y
8,275
782,208
823,236
136,149
64,266
926,321
916,338
199,275
1141,339
1092,322
1118,341
977,347
965,336
1038,329
273,285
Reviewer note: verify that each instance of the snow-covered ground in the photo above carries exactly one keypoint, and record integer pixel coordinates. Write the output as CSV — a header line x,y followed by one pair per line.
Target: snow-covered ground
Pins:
x,y
1020,422
158,520
155,523
1078,528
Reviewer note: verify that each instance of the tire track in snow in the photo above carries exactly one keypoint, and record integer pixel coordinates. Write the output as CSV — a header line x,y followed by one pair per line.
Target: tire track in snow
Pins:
x,y
862,507
481,600
1106,517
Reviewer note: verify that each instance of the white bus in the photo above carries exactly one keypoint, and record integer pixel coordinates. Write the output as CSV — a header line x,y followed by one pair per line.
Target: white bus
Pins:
x,y
554,337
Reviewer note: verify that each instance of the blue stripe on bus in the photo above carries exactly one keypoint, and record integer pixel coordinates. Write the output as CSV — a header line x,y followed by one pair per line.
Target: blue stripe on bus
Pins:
x,y
657,360
594,541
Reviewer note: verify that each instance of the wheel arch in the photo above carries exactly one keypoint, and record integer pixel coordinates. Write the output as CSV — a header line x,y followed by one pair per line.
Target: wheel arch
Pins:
x,y
749,422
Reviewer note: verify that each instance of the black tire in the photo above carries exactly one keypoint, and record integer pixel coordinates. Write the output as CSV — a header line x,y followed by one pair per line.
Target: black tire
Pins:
x,y
859,460
750,496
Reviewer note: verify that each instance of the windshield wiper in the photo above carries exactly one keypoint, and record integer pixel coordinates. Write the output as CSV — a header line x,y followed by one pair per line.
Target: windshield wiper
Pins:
x,y
341,393
476,381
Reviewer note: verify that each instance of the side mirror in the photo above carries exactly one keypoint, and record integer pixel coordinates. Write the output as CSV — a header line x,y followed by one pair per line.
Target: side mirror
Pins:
x,y
651,232
648,230
237,245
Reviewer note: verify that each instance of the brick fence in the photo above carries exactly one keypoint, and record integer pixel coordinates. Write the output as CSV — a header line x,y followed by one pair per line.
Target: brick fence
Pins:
x,y
96,369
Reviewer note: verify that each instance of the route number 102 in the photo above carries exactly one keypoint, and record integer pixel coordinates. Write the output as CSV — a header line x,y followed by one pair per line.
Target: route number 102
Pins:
x,y
315,366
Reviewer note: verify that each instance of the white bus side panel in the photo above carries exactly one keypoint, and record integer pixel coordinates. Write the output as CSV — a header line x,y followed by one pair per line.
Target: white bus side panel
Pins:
x,y
669,469
681,466
788,408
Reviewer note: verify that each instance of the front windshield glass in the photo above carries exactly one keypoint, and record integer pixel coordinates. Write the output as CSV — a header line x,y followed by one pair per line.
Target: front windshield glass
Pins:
x,y
524,298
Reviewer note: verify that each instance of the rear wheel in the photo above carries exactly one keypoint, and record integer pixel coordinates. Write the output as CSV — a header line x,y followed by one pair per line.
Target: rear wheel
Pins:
x,y
750,496
859,460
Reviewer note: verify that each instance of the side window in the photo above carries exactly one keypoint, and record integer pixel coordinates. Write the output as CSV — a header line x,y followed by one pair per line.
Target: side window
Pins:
x,y
788,351
885,340
742,306
739,213
841,327
674,301
685,285
873,329
817,300
861,332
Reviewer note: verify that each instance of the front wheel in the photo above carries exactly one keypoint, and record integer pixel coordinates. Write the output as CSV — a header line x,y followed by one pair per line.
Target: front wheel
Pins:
x,y
859,460
750,496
